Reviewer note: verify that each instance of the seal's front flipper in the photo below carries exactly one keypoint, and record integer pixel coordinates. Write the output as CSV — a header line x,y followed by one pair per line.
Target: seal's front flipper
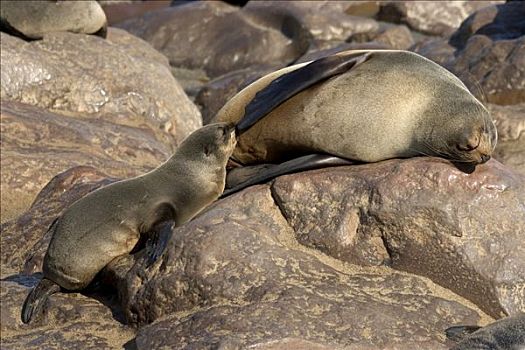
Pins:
x,y
36,299
158,241
240,178
458,333
290,84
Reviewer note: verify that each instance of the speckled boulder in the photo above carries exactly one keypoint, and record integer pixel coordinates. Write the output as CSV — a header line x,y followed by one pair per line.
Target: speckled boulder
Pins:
x,y
420,215
437,18
237,275
38,144
219,38
96,78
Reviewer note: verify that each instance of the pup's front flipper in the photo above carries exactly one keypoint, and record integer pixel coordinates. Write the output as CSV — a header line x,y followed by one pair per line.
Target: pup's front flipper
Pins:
x,y
158,241
240,178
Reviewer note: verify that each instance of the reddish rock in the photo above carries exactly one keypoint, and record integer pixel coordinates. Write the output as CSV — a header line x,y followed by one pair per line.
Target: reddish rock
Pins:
x,y
220,38
38,144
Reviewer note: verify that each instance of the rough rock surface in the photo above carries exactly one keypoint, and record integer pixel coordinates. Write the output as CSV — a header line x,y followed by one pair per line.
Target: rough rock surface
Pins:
x,y
328,21
395,37
24,238
510,122
438,18
52,16
71,321
237,273
500,22
96,78
422,216
220,38
498,67
38,144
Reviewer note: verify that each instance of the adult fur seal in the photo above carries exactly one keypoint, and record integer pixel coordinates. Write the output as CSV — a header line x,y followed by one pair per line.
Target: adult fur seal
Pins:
x,y
108,222
31,20
366,106
504,334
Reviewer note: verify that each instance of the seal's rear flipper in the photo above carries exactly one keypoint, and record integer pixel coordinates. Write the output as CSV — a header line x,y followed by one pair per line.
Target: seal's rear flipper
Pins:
x,y
290,84
457,333
158,241
37,297
240,178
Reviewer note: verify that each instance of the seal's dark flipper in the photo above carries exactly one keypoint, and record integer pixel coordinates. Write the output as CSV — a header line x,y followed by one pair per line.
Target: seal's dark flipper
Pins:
x,y
263,173
36,299
457,333
290,84
158,241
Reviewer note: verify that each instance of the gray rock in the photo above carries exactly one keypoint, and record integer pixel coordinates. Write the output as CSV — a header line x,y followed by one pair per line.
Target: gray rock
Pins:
x,y
95,78
419,215
497,66
499,22
219,38
510,122
38,144
34,19
327,21
395,37
437,18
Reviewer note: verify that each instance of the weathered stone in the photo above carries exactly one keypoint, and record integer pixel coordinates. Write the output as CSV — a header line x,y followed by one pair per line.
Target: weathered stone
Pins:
x,y
499,22
394,37
121,10
419,215
38,144
315,54
34,19
438,18
498,67
437,50
327,21
510,122
70,321
25,237
96,78
220,38
237,274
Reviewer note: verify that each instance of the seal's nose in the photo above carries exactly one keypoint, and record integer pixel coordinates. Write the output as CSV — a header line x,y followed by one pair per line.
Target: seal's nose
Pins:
x,y
485,158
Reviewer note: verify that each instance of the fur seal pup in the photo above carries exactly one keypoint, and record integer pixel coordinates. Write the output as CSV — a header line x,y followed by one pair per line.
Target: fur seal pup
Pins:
x,y
362,105
505,334
30,20
108,222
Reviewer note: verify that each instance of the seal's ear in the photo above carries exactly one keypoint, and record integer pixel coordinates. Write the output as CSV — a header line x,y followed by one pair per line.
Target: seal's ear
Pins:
x,y
290,84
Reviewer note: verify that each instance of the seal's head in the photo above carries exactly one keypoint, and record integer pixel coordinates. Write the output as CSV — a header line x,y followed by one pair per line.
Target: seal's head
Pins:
x,y
466,135
213,141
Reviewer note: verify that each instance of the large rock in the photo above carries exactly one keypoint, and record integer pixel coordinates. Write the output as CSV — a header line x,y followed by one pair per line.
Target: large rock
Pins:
x,y
38,144
499,22
220,38
96,78
236,275
71,321
419,215
510,121
437,18
24,238
329,22
34,19
497,65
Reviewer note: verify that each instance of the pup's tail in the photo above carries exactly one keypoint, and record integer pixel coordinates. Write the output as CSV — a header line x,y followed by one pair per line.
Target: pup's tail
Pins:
x,y
37,298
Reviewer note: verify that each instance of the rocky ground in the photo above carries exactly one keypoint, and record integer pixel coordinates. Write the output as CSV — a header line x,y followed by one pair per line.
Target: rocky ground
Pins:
x,y
371,256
